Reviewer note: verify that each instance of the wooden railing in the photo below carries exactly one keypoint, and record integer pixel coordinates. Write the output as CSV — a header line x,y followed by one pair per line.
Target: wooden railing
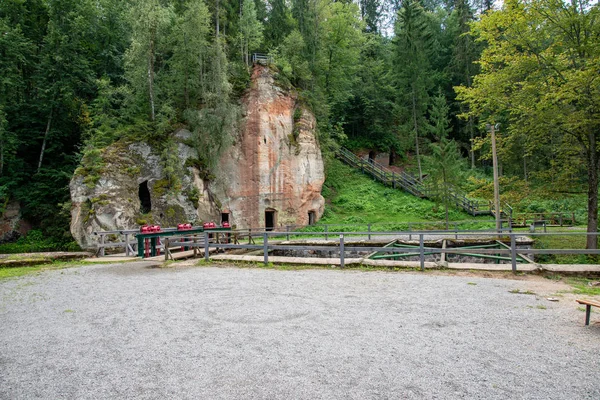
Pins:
x,y
412,185
264,59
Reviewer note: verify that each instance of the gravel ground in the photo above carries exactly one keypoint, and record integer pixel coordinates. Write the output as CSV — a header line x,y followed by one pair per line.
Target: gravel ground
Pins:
x,y
133,331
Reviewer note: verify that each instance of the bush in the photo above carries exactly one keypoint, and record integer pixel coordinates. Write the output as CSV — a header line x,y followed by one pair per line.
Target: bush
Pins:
x,y
35,241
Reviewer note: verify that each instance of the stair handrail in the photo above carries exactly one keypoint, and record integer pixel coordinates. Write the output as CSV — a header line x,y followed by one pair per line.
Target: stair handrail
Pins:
x,y
415,186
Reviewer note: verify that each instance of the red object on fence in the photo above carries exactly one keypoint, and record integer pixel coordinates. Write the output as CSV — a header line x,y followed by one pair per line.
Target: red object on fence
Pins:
x,y
182,227
146,229
156,228
226,225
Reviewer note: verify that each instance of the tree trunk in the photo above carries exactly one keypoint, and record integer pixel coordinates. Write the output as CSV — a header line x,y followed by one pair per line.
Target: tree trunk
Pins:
x,y
217,19
592,222
186,92
446,195
151,74
472,137
48,125
416,126
1,155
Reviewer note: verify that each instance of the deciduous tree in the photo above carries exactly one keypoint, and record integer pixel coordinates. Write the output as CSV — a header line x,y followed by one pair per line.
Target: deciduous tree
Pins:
x,y
541,72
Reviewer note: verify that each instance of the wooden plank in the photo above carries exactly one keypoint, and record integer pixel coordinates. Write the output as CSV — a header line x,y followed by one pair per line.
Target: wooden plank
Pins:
x,y
588,302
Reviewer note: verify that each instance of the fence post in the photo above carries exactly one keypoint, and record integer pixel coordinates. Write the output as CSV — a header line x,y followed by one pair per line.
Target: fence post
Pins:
x,y
456,231
513,252
102,243
127,244
326,230
409,230
342,251
249,235
369,228
266,247
393,180
287,236
167,252
421,252
206,256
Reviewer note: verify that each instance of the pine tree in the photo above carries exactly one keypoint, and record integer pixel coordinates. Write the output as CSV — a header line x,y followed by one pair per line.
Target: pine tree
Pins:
x,y
445,161
413,44
251,30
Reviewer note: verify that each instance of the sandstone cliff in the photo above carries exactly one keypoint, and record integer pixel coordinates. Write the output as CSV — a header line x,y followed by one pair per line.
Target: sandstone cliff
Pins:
x,y
271,176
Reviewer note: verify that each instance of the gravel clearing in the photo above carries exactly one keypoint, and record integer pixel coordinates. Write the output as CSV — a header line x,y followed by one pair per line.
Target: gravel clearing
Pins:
x,y
136,331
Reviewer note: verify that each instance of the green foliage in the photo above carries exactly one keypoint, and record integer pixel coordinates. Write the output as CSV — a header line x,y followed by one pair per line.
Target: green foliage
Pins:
x,y
290,60
171,170
279,23
445,160
251,30
414,45
36,241
78,76
539,75
354,198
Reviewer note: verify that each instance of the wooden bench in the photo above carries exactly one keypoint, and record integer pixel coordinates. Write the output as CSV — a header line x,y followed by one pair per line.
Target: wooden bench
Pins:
x,y
588,308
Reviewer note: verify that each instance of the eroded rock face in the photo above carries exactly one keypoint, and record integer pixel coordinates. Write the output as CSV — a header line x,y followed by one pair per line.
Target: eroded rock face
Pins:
x,y
271,176
12,226
133,190
274,174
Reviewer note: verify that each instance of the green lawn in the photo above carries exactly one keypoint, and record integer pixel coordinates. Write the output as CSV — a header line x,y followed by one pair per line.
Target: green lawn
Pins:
x,y
354,198
562,241
13,272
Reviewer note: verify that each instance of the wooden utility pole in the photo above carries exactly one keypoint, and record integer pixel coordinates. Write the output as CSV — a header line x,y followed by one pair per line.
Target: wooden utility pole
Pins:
x,y
492,128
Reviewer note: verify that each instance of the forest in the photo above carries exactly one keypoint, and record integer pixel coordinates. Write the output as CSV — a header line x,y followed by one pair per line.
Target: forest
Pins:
x,y
420,79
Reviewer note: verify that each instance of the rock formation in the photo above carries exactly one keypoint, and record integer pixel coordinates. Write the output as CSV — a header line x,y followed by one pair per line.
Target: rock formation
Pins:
x,y
273,175
270,177
12,226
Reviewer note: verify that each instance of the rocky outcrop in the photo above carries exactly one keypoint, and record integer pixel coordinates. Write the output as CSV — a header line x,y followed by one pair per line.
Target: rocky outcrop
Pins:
x,y
274,174
12,226
132,190
271,176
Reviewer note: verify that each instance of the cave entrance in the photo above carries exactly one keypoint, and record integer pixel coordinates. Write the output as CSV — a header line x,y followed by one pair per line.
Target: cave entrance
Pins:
x,y
270,219
392,158
144,194
312,217
372,156
224,217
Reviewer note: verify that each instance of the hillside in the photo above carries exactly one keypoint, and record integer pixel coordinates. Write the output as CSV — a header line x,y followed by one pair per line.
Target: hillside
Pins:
x,y
353,198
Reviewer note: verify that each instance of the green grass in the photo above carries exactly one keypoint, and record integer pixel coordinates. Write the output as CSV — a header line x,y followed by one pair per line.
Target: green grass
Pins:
x,y
562,242
354,198
14,272
582,286
518,291
35,242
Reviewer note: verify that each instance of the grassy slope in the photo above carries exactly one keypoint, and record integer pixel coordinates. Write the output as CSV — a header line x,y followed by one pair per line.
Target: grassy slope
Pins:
x,y
354,198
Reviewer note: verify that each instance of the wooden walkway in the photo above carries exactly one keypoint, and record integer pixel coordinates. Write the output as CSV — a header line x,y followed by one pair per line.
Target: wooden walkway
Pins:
x,y
413,186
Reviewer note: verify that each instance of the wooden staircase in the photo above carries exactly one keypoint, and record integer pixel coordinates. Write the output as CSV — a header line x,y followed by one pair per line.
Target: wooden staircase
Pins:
x,y
412,185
